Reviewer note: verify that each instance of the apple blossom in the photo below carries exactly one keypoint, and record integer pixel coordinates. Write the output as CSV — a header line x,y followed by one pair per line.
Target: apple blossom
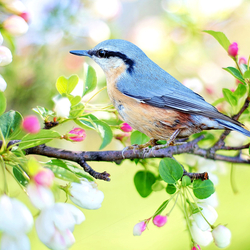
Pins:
x,y
222,236
44,177
233,49
86,194
203,238
160,220
139,228
125,127
5,56
55,225
19,242
41,197
15,217
77,134
62,107
16,7
3,84
209,213
242,60
15,25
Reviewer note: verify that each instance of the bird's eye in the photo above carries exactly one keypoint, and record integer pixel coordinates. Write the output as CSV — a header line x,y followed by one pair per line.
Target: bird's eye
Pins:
x,y
101,53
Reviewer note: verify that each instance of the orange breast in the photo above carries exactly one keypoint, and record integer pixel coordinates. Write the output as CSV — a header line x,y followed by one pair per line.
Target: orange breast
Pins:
x,y
157,123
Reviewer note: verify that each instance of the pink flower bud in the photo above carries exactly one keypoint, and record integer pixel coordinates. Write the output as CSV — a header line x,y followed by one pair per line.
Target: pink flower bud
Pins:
x,y
15,25
126,127
160,220
25,16
139,228
120,137
31,124
196,248
44,177
5,56
79,134
242,60
233,49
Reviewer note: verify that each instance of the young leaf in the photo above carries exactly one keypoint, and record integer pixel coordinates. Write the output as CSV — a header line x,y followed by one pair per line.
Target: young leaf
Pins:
x,y
90,79
74,100
203,189
66,85
101,127
10,123
247,74
161,208
76,110
43,136
171,189
43,112
170,170
138,137
220,37
186,181
230,98
240,91
143,181
236,73
2,103
157,186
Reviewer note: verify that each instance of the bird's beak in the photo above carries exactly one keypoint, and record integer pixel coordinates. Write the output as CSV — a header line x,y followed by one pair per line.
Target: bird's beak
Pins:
x,y
80,52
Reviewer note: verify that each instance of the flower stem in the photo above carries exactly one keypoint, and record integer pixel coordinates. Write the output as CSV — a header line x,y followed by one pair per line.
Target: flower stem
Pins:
x,y
6,190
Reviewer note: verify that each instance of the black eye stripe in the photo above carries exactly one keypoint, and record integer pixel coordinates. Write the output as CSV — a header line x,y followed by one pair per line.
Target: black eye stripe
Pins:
x,y
107,54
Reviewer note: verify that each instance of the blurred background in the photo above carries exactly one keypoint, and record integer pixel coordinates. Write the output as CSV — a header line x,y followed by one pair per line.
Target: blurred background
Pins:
x,y
170,33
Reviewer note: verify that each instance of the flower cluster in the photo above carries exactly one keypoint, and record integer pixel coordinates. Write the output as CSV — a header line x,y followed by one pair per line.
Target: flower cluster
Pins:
x,y
15,24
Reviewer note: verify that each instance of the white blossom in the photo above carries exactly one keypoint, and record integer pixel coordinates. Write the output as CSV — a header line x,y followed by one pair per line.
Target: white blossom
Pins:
x,y
3,84
21,242
15,218
212,200
202,238
16,7
209,213
222,236
62,107
5,56
86,194
40,196
15,25
55,225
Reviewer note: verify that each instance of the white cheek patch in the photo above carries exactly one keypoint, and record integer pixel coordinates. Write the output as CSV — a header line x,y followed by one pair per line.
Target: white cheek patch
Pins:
x,y
108,63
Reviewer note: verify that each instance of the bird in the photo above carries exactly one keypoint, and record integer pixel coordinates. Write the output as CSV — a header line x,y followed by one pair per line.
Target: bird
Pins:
x,y
152,101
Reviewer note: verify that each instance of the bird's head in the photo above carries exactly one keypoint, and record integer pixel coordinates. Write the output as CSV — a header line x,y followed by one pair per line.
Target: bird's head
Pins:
x,y
114,53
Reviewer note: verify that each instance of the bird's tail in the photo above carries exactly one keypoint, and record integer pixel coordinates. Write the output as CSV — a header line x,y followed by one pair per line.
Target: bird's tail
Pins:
x,y
233,126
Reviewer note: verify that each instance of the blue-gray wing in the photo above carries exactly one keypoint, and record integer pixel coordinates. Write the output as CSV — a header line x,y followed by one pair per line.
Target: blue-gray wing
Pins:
x,y
167,93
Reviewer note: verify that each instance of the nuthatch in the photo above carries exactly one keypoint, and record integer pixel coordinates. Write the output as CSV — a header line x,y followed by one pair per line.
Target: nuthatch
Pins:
x,y
151,100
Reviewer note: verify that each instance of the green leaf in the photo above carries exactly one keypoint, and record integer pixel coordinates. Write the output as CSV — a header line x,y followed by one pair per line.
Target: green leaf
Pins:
x,y
170,170
66,85
138,137
220,100
2,103
43,112
236,73
240,91
57,162
63,174
101,127
20,177
186,181
43,136
247,74
220,37
10,124
161,208
76,111
157,186
143,181
171,189
90,79
74,100
203,189
230,98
